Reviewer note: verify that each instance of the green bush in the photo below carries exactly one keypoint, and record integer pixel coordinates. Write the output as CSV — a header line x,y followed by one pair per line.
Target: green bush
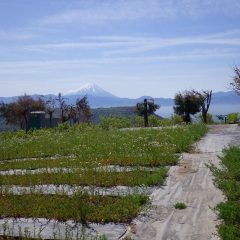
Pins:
x,y
153,121
232,117
166,122
229,232
209,118
227,179
177,119
62,127
180,205
137,121
112,122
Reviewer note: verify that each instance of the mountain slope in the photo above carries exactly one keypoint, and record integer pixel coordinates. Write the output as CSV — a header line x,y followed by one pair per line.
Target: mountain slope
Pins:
x,y
98,97
89,90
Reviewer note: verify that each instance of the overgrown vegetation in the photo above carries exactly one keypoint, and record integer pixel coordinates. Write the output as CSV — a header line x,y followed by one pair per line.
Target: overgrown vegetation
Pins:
x,y
228,180
180,205
144,147
80,207
87,152
188,103
232,117
88,177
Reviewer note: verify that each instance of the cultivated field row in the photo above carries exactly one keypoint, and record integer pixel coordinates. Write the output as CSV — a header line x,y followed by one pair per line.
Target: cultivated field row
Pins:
x,y
85,175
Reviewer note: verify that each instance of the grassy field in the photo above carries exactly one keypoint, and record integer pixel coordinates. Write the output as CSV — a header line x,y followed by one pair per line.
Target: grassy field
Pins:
x,y
228,180
84,150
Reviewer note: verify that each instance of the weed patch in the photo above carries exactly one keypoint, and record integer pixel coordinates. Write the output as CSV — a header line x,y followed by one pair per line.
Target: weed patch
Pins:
x,y
180,205
86,178
80,207
228,180
83,151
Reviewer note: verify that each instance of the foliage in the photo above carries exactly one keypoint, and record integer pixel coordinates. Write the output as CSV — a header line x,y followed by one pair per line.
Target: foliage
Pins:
x,y
80,207
62,127
221,117
180,205
209,118
232,117
18,112
187,103
235,84
137,121
62,104
78,113
83,155
88,177
150,147
147,106
176,119
205,98
127,112
153,121
228,180
112,122
83,110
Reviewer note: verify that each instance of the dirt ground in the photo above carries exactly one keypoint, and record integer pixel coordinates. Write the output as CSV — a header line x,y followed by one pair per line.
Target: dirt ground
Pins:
x,y
190,182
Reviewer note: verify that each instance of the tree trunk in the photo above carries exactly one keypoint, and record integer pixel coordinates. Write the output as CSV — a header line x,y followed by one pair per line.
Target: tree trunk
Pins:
x,y
26,122
187,118
62,116
145,114
204,116
50,119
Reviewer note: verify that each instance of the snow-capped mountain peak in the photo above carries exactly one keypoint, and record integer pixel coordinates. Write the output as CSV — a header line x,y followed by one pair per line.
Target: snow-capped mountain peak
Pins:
x,y
89,89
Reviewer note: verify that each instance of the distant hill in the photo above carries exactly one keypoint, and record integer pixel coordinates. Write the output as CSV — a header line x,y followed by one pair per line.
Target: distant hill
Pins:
x,y
128,112
97,113
225,98
99,98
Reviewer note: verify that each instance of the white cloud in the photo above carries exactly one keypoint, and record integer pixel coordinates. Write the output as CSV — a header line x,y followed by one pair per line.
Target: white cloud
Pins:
x,y
120,45
97,12
15,36
32,67
83,44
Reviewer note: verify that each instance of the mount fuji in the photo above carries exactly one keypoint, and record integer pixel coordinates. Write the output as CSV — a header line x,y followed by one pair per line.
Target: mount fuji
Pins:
x,y
89,89
222,102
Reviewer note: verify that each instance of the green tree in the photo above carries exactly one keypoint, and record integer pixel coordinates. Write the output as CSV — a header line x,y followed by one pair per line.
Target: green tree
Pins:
x,y
83,110
18,112
187,103
146,108
7,111
73,114
205,98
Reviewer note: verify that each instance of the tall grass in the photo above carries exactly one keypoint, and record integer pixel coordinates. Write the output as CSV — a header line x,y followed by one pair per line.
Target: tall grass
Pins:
x,y
88,177
83,150
228,180
80,207
96,144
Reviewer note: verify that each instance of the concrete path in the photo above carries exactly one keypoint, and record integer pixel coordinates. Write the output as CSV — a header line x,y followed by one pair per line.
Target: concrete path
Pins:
x,y
190,182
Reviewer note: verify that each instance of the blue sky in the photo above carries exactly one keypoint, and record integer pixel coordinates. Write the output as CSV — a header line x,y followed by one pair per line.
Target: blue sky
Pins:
x,y
128,47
